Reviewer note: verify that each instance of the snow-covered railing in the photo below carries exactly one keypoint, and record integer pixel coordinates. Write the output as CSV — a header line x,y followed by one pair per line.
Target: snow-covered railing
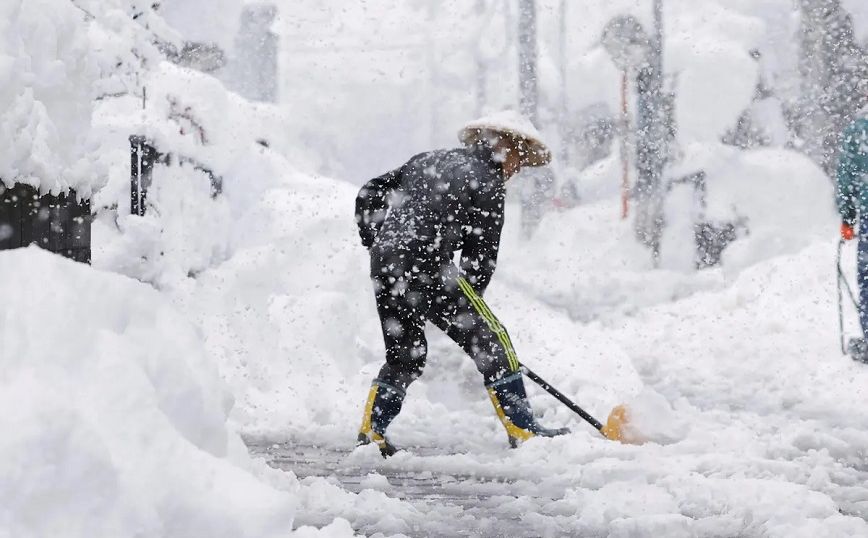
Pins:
x,y
143,157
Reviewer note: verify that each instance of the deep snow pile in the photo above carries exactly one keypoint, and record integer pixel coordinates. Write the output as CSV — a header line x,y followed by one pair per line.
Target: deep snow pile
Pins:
x,y
116,417
185,229
115,421
59,61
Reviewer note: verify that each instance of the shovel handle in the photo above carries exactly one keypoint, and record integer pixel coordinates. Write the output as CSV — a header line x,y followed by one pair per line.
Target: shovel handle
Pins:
x,y
840,297
842,281
561,398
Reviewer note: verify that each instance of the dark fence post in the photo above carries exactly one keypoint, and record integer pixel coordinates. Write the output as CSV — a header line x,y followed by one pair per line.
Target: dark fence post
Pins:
x,y
142,157
11,218
59,224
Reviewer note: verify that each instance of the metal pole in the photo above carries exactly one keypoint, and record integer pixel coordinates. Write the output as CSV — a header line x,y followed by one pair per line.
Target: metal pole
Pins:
x,y
480,65
432,75
625,156
527,59
562,53
658,37
653,149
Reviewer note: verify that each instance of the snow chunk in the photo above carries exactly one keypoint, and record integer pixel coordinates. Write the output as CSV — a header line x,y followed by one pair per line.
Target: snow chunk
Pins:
x,y
651,418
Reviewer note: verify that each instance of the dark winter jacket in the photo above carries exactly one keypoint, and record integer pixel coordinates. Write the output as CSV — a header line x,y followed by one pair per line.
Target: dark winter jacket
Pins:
x,y
853,170
435,204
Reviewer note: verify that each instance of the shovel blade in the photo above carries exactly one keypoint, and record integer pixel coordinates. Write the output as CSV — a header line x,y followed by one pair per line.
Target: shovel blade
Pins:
x,y
616,427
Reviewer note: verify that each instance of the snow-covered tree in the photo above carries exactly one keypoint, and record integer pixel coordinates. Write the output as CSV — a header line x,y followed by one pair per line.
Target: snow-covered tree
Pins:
x,y
831,64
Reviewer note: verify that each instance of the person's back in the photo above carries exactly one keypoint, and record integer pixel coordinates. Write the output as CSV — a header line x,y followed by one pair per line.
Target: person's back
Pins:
x,y
439,194
435,204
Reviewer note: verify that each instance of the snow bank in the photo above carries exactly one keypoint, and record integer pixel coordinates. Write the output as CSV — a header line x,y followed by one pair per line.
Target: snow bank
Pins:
x,y
783,201
185,230
284,314
786,201
59,61
115,416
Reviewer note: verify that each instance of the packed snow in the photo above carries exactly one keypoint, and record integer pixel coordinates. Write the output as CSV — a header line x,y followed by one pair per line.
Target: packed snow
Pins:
x,y
250,315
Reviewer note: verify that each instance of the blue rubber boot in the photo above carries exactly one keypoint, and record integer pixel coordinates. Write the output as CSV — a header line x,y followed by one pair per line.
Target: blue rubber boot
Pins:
x,y
510,403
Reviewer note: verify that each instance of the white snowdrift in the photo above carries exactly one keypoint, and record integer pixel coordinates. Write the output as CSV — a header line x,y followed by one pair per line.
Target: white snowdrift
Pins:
x,y
286,313
114,417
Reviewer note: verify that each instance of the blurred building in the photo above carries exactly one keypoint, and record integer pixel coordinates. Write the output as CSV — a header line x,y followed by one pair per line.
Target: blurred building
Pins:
x,y
252,67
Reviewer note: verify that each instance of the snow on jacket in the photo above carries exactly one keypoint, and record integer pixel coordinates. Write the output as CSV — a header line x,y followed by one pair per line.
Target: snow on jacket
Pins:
x,y
435,204
852,192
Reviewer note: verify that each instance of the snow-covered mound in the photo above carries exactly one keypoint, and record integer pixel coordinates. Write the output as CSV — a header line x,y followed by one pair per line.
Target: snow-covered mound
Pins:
x,y
114,420
285,315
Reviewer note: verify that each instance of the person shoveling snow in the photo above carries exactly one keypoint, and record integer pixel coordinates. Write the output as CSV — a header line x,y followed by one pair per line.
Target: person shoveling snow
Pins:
x,y
852,197
412,220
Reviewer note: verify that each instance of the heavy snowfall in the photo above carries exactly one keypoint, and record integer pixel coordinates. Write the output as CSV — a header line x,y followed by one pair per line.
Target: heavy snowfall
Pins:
x,y
204,370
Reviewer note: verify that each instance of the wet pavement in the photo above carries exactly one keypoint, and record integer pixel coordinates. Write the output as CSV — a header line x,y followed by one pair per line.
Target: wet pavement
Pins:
x,y
440,504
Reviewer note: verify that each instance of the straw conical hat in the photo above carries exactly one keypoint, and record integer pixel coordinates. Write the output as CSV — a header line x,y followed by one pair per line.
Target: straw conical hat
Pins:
x,y
533,151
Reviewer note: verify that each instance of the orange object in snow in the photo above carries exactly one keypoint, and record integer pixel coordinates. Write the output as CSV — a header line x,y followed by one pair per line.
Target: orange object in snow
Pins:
x,y
847,232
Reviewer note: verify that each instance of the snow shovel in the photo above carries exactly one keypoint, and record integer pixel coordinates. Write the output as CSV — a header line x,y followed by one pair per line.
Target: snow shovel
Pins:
x,y
614,427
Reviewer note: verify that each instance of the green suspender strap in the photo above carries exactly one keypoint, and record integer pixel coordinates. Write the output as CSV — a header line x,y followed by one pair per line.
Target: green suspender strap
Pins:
x,y
492,322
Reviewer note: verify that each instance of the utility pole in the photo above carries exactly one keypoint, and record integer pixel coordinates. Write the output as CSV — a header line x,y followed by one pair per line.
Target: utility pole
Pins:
x,y
625,144
652,147
831,63
539,182
633,50
527,59
432,75
562,57
480,65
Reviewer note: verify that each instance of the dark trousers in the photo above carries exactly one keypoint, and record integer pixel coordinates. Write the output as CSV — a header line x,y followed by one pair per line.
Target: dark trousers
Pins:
x,y
407,300
862,273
